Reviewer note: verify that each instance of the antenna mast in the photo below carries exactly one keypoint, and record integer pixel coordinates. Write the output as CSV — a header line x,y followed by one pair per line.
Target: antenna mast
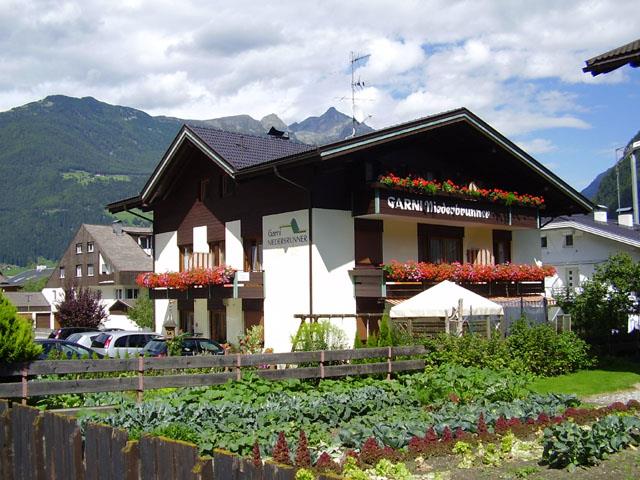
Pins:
x,y
355,85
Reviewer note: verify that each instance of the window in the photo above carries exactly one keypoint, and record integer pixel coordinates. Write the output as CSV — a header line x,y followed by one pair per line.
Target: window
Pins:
x,y
228,187
440,244
90,247
78,270
90,270
145,243
216,250
186,320
185,257
572,278
568,240
61,272
204,186
218,325
501,246
253,255
543,242
132,293
119,293
78,248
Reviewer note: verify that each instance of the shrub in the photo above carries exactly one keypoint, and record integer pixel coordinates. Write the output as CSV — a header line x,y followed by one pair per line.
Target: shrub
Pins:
x,y
16,335
142,311
318,336
256,459
81,307
303,458
281,450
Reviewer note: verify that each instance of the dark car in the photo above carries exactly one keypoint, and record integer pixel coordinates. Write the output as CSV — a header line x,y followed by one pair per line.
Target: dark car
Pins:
x,y
190,346
53,348
63,333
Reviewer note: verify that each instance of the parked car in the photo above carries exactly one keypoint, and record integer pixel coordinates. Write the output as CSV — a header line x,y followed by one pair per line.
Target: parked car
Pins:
x,y
83,338
64,349
63,333
121,343
190,346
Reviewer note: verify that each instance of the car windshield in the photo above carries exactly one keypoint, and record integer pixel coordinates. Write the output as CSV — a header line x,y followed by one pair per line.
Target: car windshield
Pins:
x,y
156,346
100,340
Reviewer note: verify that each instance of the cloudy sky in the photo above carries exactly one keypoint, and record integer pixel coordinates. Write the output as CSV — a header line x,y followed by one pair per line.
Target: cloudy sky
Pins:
x,y
515,63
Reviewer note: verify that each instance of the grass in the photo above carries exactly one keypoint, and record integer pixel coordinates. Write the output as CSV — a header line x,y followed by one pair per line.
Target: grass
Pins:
x,y
612,375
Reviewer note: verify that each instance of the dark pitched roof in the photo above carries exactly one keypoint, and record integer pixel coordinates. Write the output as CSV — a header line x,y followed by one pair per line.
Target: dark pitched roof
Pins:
x,y
616,58
241,150
30,299
121,250
611,229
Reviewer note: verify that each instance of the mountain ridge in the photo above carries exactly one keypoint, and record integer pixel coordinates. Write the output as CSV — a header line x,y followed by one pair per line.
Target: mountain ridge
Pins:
x,y
64,158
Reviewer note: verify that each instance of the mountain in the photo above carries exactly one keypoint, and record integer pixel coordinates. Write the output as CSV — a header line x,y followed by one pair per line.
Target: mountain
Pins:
x,y
64,158
332,125
603,189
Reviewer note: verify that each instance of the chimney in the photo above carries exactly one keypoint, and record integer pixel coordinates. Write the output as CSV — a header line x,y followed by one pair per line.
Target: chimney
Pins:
x,y
625,219
600,215
117,227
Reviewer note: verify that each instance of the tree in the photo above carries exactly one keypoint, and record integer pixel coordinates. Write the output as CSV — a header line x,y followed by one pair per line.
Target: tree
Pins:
x,y
142,311
603,307
16,335
81,307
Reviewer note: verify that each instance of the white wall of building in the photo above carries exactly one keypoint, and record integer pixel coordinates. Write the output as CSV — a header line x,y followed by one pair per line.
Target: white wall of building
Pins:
x,y
200,244
333,257
399,241
286,266
167,259
235,319
234,250
525,246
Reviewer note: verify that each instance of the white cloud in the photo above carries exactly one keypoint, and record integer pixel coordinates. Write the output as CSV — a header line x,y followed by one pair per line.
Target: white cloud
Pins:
x,y
536,146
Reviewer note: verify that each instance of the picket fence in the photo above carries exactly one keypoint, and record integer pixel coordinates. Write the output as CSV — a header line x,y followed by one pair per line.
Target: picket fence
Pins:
x,y
36,445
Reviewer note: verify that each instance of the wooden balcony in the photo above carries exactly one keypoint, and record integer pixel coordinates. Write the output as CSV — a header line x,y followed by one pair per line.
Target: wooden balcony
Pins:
x,y
249,285
370,283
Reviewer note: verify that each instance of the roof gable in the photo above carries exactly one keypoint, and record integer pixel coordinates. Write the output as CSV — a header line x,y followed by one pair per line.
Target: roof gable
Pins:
x,y
609,230
122,251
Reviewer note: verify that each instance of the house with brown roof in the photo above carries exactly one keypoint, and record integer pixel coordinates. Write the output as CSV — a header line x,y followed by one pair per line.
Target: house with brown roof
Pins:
x,y
307,229
33,306
106,258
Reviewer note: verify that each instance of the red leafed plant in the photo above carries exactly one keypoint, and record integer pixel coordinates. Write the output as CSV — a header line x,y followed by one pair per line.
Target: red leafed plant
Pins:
x,y
418,184
447,436
431,272
325,463
370,452
183,280
281,450
501,425
431,436
482,426
255,457
303,457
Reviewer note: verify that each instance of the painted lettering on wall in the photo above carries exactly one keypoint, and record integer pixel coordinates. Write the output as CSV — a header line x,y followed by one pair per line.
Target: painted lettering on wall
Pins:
x,y
436,207
288,235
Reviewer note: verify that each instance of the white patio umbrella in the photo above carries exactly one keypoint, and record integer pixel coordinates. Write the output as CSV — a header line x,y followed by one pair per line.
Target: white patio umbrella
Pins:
x,y
441,299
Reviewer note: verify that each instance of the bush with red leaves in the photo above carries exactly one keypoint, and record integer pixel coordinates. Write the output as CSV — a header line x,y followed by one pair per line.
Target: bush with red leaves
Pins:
x,y
326,464
256,458
370,452
281,451
303,457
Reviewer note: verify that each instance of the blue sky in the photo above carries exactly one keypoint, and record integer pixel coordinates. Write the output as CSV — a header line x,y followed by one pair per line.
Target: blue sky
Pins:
x,y
515,63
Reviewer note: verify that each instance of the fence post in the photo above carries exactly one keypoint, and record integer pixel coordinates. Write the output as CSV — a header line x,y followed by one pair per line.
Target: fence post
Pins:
x,y
24,372
322,363
389,363
238,369
140,392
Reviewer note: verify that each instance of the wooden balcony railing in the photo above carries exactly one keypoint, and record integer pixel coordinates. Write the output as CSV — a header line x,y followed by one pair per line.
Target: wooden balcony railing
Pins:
x,y
370,283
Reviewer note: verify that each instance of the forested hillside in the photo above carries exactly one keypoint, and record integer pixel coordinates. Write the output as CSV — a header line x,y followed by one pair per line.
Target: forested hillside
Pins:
x,y
63,158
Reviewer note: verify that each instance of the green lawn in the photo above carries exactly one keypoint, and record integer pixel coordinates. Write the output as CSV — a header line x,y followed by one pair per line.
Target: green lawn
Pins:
x,y
610,377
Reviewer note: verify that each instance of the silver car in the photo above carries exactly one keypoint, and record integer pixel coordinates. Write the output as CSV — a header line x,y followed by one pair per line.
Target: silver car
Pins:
x,y
122,343
83,338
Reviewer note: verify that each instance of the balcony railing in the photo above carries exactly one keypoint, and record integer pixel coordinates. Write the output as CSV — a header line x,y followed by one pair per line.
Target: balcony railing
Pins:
x,y
249,285
371,283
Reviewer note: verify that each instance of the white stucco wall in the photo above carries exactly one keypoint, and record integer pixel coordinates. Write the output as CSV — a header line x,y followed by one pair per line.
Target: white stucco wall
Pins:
x,y
235,319
286,268
333,257
167,259
399,241
201,316
200,244
120,321
525,246
480,238
234,250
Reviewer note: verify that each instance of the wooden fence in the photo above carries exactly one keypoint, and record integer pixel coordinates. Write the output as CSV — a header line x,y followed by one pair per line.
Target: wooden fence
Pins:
x,y
37,445
146,373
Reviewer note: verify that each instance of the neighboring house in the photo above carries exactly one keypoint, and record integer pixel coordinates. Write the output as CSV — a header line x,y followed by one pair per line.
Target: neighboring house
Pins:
x,y
307,228
576,244
5,284
106,258
32,306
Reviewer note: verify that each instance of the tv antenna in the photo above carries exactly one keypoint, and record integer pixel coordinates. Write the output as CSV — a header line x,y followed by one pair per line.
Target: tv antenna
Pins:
x,y
355,85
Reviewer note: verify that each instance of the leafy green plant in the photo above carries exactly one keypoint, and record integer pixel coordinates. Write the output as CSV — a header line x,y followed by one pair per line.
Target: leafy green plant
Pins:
x,y
175,344
305,474
16,335
142,311
252,340
570,445
321,335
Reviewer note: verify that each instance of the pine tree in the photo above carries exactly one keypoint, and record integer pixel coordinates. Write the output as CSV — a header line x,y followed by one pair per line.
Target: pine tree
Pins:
x,y
385,339
142,311
16,335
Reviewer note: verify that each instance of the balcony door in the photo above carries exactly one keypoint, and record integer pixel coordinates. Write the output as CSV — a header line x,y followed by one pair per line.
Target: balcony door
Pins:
x,y
368,242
